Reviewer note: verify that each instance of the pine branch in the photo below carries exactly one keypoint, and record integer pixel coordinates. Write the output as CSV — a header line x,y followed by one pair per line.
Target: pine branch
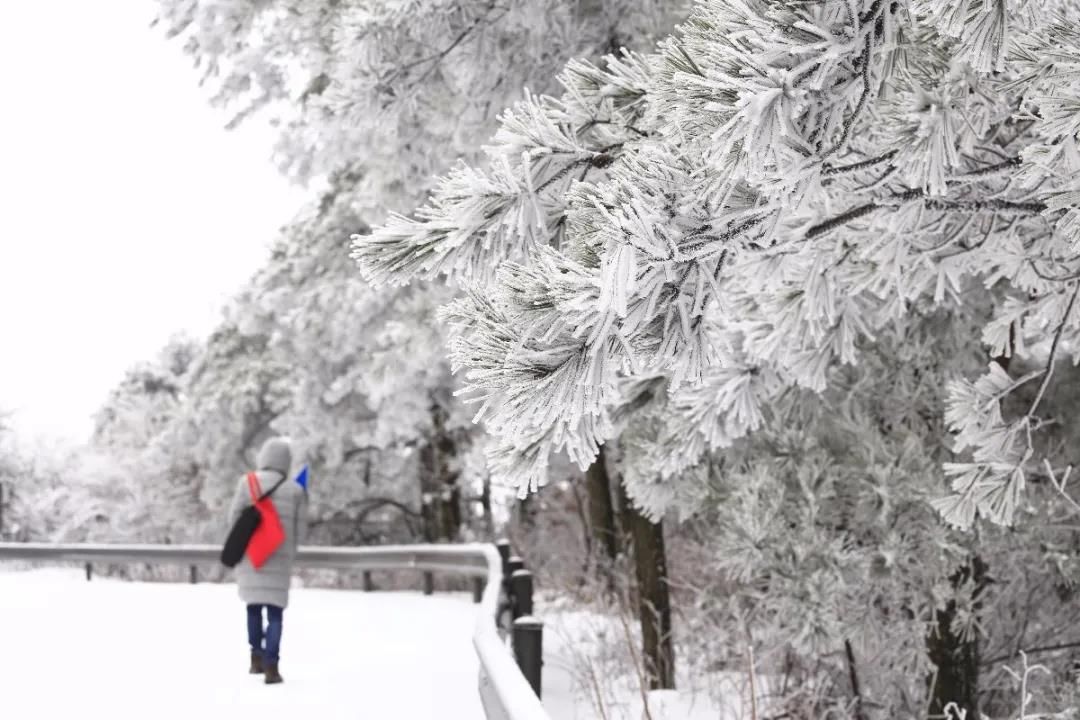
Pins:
x,y
872,15
600,159
1030,651
849,122
832,223
990,169
1025,208
1052,278
563,173
728,234
593,123
861,165
439,56
931,203
872,12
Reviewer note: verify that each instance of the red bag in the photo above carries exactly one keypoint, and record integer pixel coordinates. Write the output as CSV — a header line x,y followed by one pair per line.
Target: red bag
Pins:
x,y
269,535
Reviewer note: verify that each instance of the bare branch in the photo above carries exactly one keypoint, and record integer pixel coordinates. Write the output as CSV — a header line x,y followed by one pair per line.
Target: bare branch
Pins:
x,y
1053,352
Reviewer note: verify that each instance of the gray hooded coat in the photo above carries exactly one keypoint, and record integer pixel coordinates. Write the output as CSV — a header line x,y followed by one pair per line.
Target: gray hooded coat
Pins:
x,y
269,585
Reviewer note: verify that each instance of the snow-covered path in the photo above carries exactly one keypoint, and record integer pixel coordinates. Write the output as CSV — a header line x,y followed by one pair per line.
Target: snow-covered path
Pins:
x,y
70,649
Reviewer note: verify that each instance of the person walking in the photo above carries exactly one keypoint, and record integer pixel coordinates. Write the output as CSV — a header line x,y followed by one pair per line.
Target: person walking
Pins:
x,y
266,589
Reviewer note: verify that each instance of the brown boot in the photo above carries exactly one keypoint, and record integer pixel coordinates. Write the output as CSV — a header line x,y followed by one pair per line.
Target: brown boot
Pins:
x,y
256,663
273,677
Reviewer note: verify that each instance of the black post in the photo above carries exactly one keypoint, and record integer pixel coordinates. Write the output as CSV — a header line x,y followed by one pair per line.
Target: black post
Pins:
x,y
89,572
194,574
503,546
506,605
429,582
369,585
512,565
528,644
477,589
521,593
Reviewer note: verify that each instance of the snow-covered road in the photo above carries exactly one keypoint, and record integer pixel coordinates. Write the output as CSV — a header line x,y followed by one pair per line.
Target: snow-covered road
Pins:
x,y
71,650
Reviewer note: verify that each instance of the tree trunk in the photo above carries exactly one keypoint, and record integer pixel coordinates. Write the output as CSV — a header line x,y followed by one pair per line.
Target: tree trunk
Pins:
x,y
586,537
956,658
601,510
623,512
450,491
451,511
440,493
428,518
526,512
956,679
653,599
485,505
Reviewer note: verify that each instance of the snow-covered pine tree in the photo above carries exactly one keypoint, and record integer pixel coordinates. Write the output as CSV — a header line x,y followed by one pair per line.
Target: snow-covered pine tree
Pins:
x,y
371,394
732,216
36,497
686,247
829,553
146,399
395,91
9,462
238,388
388,93
357,377
131,467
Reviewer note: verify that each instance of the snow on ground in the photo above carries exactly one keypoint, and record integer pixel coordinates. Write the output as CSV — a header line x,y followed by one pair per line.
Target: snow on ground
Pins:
x,y
124,650
589,674
71,649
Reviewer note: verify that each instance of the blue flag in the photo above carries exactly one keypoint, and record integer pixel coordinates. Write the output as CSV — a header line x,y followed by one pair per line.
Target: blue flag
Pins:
x,y
301,479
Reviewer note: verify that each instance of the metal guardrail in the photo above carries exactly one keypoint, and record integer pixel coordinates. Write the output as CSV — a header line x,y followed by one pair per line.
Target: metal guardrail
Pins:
x,y
504,691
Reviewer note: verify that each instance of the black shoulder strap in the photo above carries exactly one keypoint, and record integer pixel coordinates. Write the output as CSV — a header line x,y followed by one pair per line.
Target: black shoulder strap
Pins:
x,y
270,492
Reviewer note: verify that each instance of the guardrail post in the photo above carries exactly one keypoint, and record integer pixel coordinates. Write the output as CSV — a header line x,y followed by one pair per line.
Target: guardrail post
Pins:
x,y
503,546
512,565
521,593
429,582
528,641
89,571
477,589
369,585
194,574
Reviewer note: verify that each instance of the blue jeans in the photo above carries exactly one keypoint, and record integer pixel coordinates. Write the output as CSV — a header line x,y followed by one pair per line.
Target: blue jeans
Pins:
x,y
265,642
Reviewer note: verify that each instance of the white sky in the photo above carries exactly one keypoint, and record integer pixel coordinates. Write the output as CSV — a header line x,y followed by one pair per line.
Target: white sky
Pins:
x,y
127,212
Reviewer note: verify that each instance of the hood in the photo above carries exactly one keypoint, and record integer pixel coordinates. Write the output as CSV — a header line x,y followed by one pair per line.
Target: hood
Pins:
x,y
276,454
